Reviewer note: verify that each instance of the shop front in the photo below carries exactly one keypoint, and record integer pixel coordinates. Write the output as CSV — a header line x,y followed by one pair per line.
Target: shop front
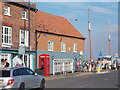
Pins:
x,y
58,62
13,58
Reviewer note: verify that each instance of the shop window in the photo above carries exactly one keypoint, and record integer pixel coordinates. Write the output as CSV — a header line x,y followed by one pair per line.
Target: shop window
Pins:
x,y
5,57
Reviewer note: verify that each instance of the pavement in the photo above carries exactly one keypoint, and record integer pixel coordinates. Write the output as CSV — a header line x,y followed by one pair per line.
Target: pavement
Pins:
x,y
75,74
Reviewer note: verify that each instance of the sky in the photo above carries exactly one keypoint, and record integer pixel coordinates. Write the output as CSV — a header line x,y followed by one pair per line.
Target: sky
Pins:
x,y
103,17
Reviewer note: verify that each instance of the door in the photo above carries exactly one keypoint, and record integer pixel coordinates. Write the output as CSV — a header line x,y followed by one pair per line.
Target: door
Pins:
x,y
44,64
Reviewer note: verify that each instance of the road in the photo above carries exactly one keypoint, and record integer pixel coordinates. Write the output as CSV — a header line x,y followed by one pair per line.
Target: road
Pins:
x,y
106,80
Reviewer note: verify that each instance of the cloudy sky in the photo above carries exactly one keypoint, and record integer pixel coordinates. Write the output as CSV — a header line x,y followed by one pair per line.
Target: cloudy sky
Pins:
x,y
103,17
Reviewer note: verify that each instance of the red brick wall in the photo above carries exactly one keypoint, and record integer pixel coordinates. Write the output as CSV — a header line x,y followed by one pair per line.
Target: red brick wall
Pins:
x,y
16,22
43,42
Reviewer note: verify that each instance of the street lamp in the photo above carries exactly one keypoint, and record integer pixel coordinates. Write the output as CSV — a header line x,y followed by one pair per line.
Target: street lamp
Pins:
x,y
29,28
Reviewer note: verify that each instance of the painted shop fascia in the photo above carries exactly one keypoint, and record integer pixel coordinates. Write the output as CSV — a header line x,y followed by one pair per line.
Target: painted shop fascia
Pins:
x,y
54,55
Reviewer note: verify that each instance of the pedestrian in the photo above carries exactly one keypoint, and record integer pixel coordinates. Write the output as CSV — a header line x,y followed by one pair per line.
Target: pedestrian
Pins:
x,y
3,62
83,66
7,65
18,65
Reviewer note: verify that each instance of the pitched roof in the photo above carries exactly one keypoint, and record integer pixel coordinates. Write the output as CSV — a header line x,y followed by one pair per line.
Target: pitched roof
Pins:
x,y
55,24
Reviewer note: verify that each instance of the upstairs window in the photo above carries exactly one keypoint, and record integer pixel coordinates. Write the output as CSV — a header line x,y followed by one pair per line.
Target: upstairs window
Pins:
x,y
24,37
24,15
7,10
6,35
50,46
63,47
74,47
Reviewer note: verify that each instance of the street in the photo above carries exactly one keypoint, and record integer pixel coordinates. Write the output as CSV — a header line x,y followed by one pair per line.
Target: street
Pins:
x,y
106,80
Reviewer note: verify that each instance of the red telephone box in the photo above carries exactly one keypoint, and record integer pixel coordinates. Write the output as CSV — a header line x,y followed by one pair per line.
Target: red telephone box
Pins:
x,y
44,63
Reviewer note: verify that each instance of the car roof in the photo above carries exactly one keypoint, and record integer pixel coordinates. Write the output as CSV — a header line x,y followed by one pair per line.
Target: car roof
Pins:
x,y
11,68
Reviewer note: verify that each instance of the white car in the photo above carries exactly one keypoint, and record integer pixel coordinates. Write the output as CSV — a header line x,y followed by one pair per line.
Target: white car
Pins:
x,y
20,78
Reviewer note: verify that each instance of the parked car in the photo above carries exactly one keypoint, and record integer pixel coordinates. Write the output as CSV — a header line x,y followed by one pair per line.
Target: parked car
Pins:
x,y
20,78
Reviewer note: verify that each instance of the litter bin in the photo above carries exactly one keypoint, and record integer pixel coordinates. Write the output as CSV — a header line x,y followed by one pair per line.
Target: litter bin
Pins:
x,y
40,71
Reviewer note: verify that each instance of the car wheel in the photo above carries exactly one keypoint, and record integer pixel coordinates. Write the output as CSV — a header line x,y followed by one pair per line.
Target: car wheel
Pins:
x,y
42,85
22,86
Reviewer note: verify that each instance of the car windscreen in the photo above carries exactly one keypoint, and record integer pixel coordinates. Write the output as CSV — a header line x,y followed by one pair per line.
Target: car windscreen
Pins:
x,y
4,73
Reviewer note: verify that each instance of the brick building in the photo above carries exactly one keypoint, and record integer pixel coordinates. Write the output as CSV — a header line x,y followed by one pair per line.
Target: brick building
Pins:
x,y
55,45
59,44
15,33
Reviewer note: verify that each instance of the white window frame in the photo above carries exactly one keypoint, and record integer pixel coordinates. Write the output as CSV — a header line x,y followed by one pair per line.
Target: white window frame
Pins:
x,y
26,37
74,47
7,10
5,56
8,39
25,16
63,47
50,46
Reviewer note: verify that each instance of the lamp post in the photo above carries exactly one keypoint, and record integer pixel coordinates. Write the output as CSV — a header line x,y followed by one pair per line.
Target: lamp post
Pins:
x,y
29,28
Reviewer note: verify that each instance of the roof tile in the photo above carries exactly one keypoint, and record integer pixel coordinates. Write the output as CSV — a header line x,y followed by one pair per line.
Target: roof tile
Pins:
x,y
55,24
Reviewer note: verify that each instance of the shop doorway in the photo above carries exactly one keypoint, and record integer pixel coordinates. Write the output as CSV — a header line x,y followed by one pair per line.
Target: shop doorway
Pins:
x,y
44,64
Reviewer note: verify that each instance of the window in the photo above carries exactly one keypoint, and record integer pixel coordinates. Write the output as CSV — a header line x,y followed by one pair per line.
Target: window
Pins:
x,y
63,47
6,35
7,10
50,46
24,15
17,72
5,57
30,72
24,34
24,71
74,47
4,73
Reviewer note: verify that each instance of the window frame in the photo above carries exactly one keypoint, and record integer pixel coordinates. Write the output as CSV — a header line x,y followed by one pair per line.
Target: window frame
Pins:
x,y
50,46
25,16
63,47
26,38
8,35
7,12
6,57
74,47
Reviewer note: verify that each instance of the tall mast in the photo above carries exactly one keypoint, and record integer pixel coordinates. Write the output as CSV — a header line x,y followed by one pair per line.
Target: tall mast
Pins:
x,y
109,40
89,31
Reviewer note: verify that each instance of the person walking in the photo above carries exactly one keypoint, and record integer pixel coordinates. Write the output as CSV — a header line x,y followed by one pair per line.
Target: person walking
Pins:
x,y
7,65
